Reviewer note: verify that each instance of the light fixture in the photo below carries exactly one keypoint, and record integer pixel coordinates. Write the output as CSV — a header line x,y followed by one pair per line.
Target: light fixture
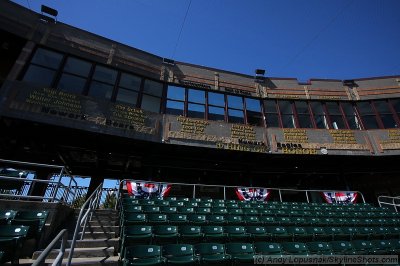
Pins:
x,y
168,61
260,72
259,75
49,11
349,83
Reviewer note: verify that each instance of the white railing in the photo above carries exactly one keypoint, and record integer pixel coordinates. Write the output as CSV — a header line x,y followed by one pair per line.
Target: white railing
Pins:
x,y
63,235
280,191
19,188
390,201
85,215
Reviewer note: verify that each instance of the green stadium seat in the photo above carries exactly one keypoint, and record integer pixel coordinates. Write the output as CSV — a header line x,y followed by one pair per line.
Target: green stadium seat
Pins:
x,y
196,218
195,200
212,253
257,233
395,246
161,203
319,248
203,210
235,211
317,233
163,234
298,233
12,238
299,221
150,209
284,221
362,247
236,233
132,208
36,221
190,234
351,232
266,212
278,233
212,233
146,202
134,218
241,253
157,218
168,209
179,254
185,210
364,233
205,204
381,232
175,218
244,205
342,247
6,216
191,204
219,211
267,248
171,199
234,219
232,205
207,200
143,255
335,233
134,234
129,201
394,231
381,247
176,204
218,205
216,219
295,248
231,201
250,212
219,201
282,213
251,219
313,221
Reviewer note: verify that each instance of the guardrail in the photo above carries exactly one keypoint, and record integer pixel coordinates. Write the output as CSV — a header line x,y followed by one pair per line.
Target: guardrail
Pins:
x,y
391,201
195,187
18,188
63,235
85,215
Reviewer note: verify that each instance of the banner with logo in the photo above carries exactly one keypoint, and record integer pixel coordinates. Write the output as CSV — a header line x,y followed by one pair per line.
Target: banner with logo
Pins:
x,y
147,190
340,197
252,194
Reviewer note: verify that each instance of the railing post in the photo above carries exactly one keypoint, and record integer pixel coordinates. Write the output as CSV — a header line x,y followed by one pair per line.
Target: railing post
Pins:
x,y
394,204
308,200
58,184
194,191
224,193
280,195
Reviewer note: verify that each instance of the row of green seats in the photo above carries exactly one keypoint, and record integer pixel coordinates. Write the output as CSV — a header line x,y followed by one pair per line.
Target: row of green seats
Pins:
x,y
193,234
245,253
175,218
12,238
252,212
36,220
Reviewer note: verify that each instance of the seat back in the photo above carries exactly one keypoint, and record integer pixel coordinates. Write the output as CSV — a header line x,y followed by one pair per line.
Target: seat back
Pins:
x,y
267,248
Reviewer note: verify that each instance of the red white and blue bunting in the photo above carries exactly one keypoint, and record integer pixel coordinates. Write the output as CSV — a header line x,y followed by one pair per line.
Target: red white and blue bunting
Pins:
x,y
340,197
252,194
147,190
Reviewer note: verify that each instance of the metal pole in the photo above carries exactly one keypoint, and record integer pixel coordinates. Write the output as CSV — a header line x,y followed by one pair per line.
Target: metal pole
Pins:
x,y
224,193
280,195
58,184
308,200
194,191
395,207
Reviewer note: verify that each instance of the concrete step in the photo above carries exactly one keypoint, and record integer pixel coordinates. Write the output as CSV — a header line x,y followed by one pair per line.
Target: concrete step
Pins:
x,y
97,235
92,243
81,253
109,222
99,228
109,261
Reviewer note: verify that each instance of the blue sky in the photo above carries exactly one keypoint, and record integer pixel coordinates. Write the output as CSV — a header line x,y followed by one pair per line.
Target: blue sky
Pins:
x,y
340,39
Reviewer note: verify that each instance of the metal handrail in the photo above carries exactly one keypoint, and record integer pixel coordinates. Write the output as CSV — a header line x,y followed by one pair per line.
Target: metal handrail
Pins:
x,y
395,205
58,260
84,216
225,186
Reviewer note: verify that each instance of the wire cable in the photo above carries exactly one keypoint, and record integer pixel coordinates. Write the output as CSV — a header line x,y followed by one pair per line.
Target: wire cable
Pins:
x,y
180,32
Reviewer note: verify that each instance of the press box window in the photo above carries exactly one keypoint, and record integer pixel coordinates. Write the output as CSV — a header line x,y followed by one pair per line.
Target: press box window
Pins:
x,y
335,115
74,76
303,114
128,90
103,81
350,115
216,106
319,115
43,67
196,103
288,119
385,114
175,100
253,112
235,109
367,115
151,98
271,113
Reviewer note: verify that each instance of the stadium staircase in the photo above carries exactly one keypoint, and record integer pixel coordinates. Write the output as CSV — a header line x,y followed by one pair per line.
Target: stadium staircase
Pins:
x,y
98,246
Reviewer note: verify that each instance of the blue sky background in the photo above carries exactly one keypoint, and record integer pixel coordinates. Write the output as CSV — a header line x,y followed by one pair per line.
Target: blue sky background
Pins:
x,y
339,39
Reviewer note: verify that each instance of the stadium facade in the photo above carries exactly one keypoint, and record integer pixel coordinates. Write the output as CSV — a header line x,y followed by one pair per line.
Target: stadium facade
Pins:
x,y
107,110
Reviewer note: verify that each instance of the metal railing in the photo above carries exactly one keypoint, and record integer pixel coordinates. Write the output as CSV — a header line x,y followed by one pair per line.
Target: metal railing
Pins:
x,y
224,187
85,215
63,235
391,201
22,187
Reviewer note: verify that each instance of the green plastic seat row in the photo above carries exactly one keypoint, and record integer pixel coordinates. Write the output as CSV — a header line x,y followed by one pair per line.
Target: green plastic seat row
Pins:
x,y
12,238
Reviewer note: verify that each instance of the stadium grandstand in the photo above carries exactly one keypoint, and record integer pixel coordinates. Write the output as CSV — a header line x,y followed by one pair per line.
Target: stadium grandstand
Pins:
x,y
213,167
